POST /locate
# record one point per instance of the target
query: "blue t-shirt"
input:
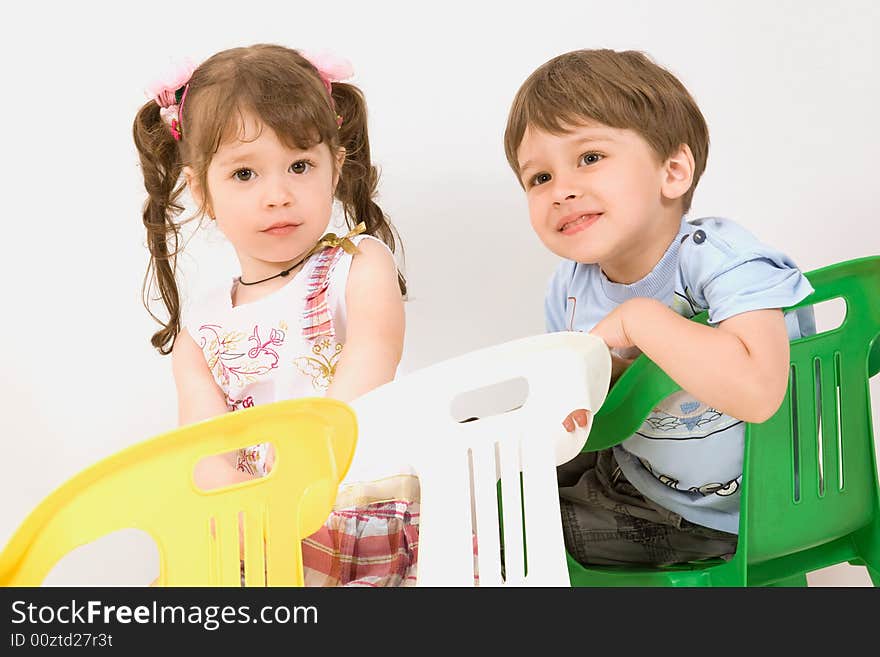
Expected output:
(687, 456)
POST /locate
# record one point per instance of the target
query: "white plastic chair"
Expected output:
(409, 425)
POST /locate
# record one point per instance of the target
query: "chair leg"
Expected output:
(793, 581)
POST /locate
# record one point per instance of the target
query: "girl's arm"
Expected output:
(740, 367)
(198, 395)
(199, 398)
(374, 335)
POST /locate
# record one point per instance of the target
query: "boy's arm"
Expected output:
(740, 367)
(374, 334)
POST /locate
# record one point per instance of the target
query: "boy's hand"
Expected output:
(612, 327)
(578, 417)
(618, 366)
(620, 359)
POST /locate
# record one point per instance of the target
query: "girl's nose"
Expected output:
(278, 194)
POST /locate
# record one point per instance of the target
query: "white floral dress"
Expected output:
(287, 345)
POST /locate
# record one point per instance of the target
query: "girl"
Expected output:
(265, 139)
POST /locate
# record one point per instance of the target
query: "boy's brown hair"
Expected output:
(620, 89)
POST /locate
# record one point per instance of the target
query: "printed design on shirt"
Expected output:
(274, 339)
(681, 417)
(685, 305)
(721, 489)
(667, 481)
(321, 365)
(253, 459)
(572, 302)
(227, 360)
(238, 404)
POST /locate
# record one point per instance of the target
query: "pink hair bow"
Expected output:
(169, 92)
(331, 68)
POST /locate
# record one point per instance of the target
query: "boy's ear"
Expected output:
(678, 173)
(195, 190)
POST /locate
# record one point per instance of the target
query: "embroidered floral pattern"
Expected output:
(322, 365)
(276, 338)
(238, 404)
(227, 360)
(253, 459)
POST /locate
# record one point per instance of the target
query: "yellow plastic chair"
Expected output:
(150, 487)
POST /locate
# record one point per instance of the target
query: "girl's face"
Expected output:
(272, 202)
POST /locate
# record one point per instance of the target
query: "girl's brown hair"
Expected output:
(283, 89)
(619, 89)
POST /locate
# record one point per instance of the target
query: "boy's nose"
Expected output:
(565, 190)
(563, 196)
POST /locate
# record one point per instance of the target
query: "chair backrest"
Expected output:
(812, 471)
(460, 463)
(150, 487)
(810, 477)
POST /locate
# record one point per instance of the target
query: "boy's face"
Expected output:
(597, 195)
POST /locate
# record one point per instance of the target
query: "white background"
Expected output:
(790, 91)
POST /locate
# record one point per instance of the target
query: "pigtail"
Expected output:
(161, 166)
(360, 177)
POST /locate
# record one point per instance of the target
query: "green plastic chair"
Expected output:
(810, 495)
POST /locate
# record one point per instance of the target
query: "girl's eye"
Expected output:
(243, 175)
(540, 179)
(300, 166)
(591, 158)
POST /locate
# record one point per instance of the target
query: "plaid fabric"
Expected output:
(317, 320)
(370, 539)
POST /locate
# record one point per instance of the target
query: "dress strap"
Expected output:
(317, 319)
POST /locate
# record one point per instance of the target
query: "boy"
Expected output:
(609, 148)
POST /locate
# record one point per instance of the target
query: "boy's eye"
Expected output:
(540, 179)
(243, 174)
(300, 166)
(591, 158)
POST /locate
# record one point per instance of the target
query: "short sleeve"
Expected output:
(727, 270)
(556, 297)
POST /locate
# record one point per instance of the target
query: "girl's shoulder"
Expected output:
(372, 247)
(373, 257)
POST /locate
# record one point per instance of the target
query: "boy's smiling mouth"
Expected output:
(576, 222)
